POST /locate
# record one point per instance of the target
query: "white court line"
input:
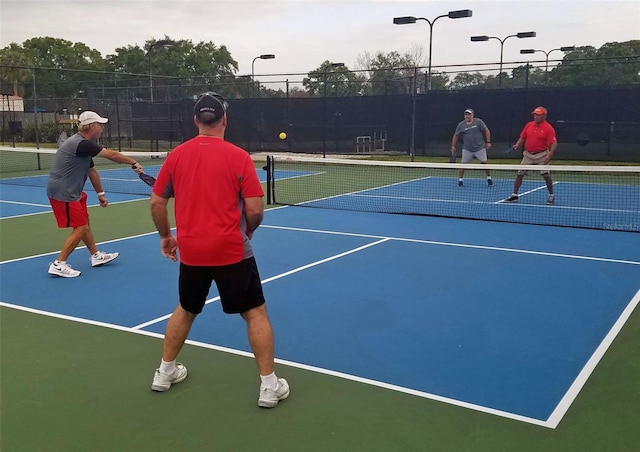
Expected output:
(49, 211)
(273, 278)
(21, 203)
(318, 370)
(553, 420)
(358, 192)
(460, 245)
(587, 370)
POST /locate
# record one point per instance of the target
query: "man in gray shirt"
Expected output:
(476, 139)
(72, 165)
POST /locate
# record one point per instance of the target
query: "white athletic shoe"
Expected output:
(162, 382)
(63, 270)
(101, 258)
(269, 398)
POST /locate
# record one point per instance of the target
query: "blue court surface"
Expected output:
(28, 195)
(503, 318)
(577, 204)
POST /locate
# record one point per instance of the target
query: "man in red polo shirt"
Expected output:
(540, 143)
(218, 206)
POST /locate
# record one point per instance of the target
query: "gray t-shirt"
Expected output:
(70, 168)
(471, 135)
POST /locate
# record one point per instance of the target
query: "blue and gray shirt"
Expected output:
(70, 168)
(471, 135)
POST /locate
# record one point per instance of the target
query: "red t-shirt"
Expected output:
(209, 178)
(538, 137)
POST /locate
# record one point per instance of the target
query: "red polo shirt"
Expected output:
(209, 178)
(538, 137)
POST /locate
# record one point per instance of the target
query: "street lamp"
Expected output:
(459, 14)
(546, 66)
(166, 43)
(267, 56)
(324, 107)
(522, 34)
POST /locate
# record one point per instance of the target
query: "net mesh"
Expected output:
(30, 166)
(596, 197)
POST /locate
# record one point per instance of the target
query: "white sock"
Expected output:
(57, 262)
(460, 179)
(488, 177)
(167, 367)
(269, 381)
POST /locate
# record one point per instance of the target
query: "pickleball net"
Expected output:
(595, 197)
(30, 167)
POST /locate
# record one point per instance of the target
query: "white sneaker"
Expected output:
(63, 270)
(101, 258)
(162, 382)
(269, 398)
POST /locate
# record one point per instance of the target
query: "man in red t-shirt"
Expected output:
(540, 143)
(218, 206)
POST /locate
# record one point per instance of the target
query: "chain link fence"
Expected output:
(361, 112)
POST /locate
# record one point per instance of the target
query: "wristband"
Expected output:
(101, 193)
(134, 164)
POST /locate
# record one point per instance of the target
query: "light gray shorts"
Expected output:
(467, 156)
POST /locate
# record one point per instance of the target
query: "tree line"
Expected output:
(64, 69)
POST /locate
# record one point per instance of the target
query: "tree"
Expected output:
(339, 81)
(64, 68)
(198, 67)
(15, 76)
(61, 68)
(467, 80)
(390, 73)
(615, 63)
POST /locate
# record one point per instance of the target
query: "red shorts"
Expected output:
(71, 214)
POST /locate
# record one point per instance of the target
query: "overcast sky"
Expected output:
(304, 33)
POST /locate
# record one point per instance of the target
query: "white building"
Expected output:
(9, 102)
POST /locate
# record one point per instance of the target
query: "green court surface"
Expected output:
(71, 386)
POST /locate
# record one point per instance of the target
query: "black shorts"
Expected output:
(238, 284)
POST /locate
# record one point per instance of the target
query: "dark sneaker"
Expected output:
(512, 198)
(490, 182)
(550, 200)
(460, 183)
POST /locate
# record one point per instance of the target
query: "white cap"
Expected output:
(89, 117)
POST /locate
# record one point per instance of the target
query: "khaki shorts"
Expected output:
(533, 159)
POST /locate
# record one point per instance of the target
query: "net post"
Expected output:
(268, 171)
(272, 173)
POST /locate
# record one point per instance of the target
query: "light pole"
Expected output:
(522, 34)
(324, 107)
(166, 43)
(459, 14)
(267, 56)
(546, 66)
